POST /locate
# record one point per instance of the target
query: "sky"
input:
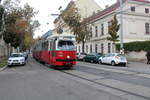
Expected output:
(48, 7)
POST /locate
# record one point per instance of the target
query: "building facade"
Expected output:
(84, 10)
(136, 25)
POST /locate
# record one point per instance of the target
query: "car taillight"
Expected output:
(117, 57)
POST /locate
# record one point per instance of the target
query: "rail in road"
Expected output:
(95, 66)
(128, 88)
(116, 87)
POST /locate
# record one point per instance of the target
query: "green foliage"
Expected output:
(136, 46)
(1, 15)
(19, 22)
(78, 26)
(113, 29)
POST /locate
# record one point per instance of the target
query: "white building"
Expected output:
(136, 25)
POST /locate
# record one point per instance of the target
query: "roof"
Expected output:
(48, 33)
(145, 1)
(111, 9)
(62, 35)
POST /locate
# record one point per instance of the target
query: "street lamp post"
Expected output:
(121, 27)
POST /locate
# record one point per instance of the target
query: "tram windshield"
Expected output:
(66, 45)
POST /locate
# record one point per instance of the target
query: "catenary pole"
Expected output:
(121, 25)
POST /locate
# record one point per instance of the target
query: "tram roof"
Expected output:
(61, 35)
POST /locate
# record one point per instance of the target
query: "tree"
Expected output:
(77, 25)
(19, 24)
(112, 31)
(1, 18)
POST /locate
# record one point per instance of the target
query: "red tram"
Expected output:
(56, 50)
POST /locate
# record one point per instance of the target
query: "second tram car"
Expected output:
(56, 50)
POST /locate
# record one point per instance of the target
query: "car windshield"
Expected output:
(83, 54)
(16, 55)
(120, 55)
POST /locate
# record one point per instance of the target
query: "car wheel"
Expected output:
(91, 61)
(84, 60)
(124, 65)
(113, 63)
(100, 62)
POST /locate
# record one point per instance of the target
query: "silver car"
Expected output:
(113, 59)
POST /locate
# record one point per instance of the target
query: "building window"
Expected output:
(79, 48)
(95, 48)
(91, 31)
(102, 48)
(86, 48)
(102, 29)
(96, 33)
(133, 9)
(109, 25)
(109, 47)
(147, 28)
(146, 10)
(91, 48)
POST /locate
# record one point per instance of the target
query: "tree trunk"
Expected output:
(83, 43)
(8, 54)
(113, 47)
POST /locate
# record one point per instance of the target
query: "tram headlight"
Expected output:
(68, 57)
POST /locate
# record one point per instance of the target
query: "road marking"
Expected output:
(143, 75)
(132, 88)
(112, 70)
(84, 75)
(125, 87)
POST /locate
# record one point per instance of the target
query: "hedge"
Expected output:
(135, 46)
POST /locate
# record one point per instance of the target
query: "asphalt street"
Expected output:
(86, 81)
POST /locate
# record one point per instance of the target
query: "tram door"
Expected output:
(52, 52)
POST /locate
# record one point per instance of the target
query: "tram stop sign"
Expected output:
(59, 31)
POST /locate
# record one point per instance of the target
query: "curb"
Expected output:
(1, 69)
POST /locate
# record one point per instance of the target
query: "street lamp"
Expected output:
(121, 27)
(59, 29)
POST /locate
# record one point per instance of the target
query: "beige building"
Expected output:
(136, 25)
(84, 10)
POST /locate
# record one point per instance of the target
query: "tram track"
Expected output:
(97, 83)
(69, 72)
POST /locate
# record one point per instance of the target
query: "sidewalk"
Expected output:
(139, 66)
(3, 64)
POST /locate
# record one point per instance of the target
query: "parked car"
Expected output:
(16, 59)
(113, 59)
(25, 54)
(80, 56)
(93, 57)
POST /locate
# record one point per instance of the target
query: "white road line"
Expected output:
(118, 71)
(84, 75)
(132, 88)
(112, 70)
(128, 87)
(143, 75)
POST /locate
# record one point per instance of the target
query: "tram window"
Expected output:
(63, 43)
(45, 45)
